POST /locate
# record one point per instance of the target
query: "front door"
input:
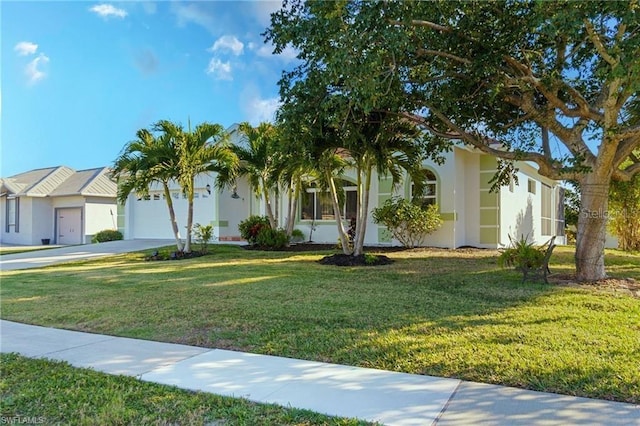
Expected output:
(69, 223)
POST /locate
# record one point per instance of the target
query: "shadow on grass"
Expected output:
(438, 312)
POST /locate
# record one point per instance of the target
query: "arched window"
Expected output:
(316, 204)
(429, 193)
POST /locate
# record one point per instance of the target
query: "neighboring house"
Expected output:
(473, 216)
(58, 204)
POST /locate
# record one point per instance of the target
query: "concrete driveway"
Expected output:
(39, 258)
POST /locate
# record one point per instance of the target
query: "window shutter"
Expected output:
(17, 221)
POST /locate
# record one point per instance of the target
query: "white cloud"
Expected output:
(220, 70)
(34, 70)
(228, 43)
(25, 48)
(257, 109)
(107, 10)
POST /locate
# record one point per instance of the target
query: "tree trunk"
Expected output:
(293, 195)
(172, 216)
(363, 208)
(344, 238)
(267, 205)
(592, 227)
(187, 244)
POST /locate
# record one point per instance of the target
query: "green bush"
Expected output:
(107, 235)
(297, 236)
(250, 228)
(522, 255)
(203, 234)
(407, 222)
(272, 238)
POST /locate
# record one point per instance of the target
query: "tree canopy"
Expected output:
(552, 83)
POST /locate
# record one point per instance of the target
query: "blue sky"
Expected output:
(79, 78)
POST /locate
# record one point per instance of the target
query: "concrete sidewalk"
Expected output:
(375, 395)
(50, 256)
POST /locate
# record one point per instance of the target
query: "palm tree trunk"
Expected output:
(344, 238)
(292, 205)
(363, 208)
(187, 245)
(172, 216)
(267, 205)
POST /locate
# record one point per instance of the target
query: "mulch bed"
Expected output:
(342, 259)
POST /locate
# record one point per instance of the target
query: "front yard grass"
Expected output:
(67, 395)
(435, 312)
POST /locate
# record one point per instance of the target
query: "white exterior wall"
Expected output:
(99, 214)
(150, 218)
(470, 214)
(42, 220)
(521, 210)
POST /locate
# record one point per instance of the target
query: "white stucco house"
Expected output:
(473, 216)
(58, 204)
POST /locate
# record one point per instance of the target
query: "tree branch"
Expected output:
(421, 52)
(600, 48)
(428, 24)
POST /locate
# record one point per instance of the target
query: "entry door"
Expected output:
(69, 226)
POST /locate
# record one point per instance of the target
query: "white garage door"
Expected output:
(69, 225)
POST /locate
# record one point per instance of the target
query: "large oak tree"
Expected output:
(555, 83)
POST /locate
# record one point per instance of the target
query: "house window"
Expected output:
(156, 197)
(175, 195)
(429, 193)
(531, 186)
(316, 204)
(196, 195)
(12, 215)
(560, 212)
(546, 221)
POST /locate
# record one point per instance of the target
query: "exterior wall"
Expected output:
(521, 212)
(99, 214)
(150, 218)
(24, 235)
(42, 221)
(231, 211)
(470, 189)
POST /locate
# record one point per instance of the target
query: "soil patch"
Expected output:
(627, 286)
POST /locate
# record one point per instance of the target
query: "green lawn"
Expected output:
(435, 312)
(73, 396)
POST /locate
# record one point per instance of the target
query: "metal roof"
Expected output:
(60, 181)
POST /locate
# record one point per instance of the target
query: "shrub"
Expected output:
(272, 238)
(203, 234)
(297, 236)
(107, 235)
(407, 222)
(522, 255)
(250, 228)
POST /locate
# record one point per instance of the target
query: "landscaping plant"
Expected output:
(407, 222)
(107, 235)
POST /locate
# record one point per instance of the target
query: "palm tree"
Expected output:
(144, 161)
(205, 149)
(260, 162)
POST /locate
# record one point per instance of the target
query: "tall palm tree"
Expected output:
(260, 162)
(144, 161)
(202, 150)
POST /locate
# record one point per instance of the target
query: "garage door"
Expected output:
(69, 225)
